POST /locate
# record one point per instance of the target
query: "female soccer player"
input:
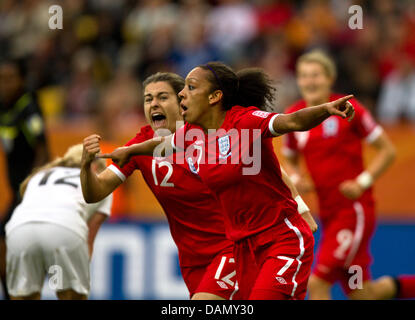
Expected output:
(346, 201)
(52, 231)
(195, 218)
(273, 245)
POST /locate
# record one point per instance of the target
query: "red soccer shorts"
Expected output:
(216, 278)
(344, 246)
(276, 263)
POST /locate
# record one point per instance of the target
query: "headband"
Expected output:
(217, 79)
(214, 73)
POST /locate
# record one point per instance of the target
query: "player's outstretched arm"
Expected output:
(308, 118)
(156, 147)
(95, 187)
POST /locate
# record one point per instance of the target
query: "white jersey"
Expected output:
(54, 195)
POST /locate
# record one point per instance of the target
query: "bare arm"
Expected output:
(302, 207)
(156, 147)
(293, 166)
(289, 183)
(95, 187)
(300, 181)
(385, 154)
(94, 224)
(308, 118)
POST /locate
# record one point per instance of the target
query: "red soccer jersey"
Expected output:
(333, 152)
(252, 193)
(194, 215)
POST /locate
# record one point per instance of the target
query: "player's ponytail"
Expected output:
(255, 89)
(247, 87)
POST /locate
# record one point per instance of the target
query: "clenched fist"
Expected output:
(91, 149)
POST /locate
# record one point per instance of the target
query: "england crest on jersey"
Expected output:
(224, 147)
(192, 166)
(330, 127)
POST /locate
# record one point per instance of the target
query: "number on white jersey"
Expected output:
(62, 180)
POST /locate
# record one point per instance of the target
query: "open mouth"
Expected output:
(159, 120)
(184, 108)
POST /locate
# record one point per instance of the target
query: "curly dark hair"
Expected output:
(247, 87)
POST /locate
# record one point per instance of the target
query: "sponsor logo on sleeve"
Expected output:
(261, 114)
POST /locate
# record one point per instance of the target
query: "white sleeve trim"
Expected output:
(271, 127)
(301, 205)
(372, 136)
(117, 172)
(172, 141)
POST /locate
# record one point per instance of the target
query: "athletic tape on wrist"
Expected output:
(301, 206)
(365, 180)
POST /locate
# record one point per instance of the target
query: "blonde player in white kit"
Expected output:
(53, 231)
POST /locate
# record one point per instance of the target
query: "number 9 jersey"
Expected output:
(54, 195)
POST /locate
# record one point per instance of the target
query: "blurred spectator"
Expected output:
(273, 15)
(190, 46)
(82, 91)
(230, 26)
(101, 36)
(24, 25)
(119, 102)
(397, 96)
(276, 60)
(149, 16)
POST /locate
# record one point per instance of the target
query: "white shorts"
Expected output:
(35, 249)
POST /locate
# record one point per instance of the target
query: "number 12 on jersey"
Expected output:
(165, 182)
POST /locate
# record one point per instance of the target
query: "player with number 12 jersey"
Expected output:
(194, 215)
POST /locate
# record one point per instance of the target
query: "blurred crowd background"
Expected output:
(88, 75)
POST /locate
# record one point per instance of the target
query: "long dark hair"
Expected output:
(247, 87)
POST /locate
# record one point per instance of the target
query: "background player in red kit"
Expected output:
(195, 218)
(333, 155)
(273, 245)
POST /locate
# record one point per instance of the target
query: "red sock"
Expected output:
(406, 287)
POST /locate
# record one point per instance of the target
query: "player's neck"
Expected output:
(213, 119)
